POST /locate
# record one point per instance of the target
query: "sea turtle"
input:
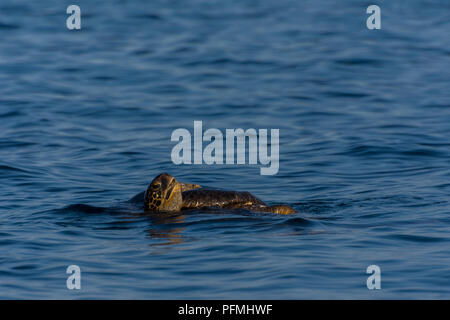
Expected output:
(166, 194)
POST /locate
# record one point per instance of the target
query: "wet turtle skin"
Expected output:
(218, 198)
(166, 194)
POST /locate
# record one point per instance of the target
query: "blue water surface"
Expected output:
(86, 119)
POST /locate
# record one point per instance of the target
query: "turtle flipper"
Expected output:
(281, 209)
(278, 209)
(188, 186)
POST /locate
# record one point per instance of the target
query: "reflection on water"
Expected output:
(162, 227)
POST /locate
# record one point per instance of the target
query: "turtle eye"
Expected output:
(155, 186)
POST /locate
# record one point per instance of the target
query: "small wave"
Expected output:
(345, 94)
(228, 61)
(367, 150)
(84, 208)
(8, 26)
(148, 16)
(298, 221)
(423, 153)
(13, 144)
(416, 238)
(9, 114)
(359, 62)
(8, 168)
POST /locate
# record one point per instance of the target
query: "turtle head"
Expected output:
(164, 193)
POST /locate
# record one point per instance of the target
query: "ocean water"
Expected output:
(86, 119)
